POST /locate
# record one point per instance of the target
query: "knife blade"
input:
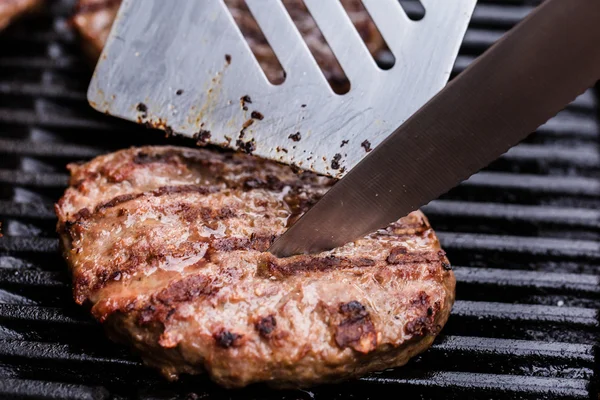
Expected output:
(518, 84)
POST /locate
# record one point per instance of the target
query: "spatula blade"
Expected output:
(185, 67)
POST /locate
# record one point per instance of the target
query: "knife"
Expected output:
(523, 80)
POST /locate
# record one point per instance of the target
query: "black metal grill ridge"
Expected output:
(523, 236)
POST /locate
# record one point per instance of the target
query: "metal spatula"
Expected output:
(185, 67)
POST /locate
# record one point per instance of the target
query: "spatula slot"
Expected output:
(320, 49)
(369, 33)
(257, 41)
(413, 8)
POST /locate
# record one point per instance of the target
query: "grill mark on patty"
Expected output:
(115, 201)
(356, 330)
(163, 305)
(191, 213)
(141, 254)
(400, 255)
(258, 242)
(85, 214)
(149, 255)
(186, 289)
(161, 191)
(283, 267)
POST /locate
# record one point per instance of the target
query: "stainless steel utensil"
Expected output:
(184, 66)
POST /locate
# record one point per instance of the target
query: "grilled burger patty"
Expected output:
(11, 9)
(168, 246)
(93, 20)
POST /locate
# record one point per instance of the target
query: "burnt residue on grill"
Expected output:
(295, 136)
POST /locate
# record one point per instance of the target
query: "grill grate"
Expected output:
(524, 236)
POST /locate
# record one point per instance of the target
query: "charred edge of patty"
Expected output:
(427, 313)
(356, 330)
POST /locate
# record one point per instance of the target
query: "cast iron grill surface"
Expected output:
(523, 236)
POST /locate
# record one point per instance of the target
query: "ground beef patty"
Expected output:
(93, 20)
(169, 247)
(12, 9)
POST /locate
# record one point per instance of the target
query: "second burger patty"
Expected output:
(13, 9)
(169, 247)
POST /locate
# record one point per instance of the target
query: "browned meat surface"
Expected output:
(168, 247)
(93, 20)
(11, 9)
